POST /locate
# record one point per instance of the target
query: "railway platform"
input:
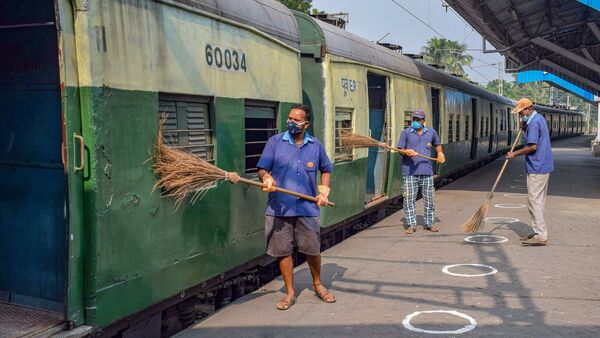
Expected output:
(388, 283)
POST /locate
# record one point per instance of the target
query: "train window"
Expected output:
(450, 128)
(260, 125)
(343, 123)
(467, 119)
(496, 126)
(487, 126)
(407, 118)
(188, 124)
(457, 130)
(481, 126)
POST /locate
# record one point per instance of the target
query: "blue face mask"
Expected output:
(417, 125)
(295, 128)
(524, 118)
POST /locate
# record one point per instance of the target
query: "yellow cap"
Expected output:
(522, 104)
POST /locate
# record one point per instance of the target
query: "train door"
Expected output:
(492, 129)
(36, 196)
(474, 122)
(377, 125)
(435, 112)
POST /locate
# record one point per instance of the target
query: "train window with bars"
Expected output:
(467, 119)
(487, 126)
(457, 130)
(343, 123)
(481, 126)
(407, 118)
(187, 124)
(260, 124)
(450, 128)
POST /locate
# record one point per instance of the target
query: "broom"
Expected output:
(476, 222)
(350, 140)
(182, 174)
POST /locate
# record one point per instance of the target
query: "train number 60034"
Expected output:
(225, 58)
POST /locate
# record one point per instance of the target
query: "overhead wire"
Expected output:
(443, 36)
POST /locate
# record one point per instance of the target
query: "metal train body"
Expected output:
(83, 84)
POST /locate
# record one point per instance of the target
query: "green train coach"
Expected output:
(87, 245)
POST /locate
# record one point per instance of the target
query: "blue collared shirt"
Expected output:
(422, 144)
(294, 168)
(541, 161)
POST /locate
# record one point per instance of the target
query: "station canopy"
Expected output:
(561, 37)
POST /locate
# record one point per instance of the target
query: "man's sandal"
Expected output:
(409, 230)
(323, 294)
(286, 303)
(432, 228)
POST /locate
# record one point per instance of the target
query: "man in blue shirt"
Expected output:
(417, 172)
(291, 160)
(539, 165)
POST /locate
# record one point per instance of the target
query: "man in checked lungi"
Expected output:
(417, 172)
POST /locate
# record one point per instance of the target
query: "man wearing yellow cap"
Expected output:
(539, 165)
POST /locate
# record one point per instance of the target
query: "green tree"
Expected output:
(304, 6)
(448, 53)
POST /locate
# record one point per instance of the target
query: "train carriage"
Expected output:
(102, 73)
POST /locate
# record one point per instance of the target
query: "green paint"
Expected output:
(75, 292)
(140, 250)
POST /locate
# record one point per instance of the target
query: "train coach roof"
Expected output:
(554, 110)
(342, 43)
(268, 16)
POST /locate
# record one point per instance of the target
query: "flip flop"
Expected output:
(286, 303)
(409, 231)
(432, 228)
(323, 294)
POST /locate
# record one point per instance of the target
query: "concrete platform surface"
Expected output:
(380, 276)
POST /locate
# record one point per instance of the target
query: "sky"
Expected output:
(372, 19)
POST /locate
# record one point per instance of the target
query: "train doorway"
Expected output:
(33, 179)
(473, 129)
(377, 126)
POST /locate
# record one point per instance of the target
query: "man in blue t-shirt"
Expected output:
(417, 172)
(291, 160)
(539, 165)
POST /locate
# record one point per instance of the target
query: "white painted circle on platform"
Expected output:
(510, 206)
(472, 239)
(518, 187)
(515, 195)
(447, 268)
(466, 328)
(501, 220)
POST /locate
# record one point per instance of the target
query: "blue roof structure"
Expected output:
(538, 75)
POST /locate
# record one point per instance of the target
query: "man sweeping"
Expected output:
(417, 172)
(539, 165)
(290, 160)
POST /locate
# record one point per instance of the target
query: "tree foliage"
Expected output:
(448, 53)
(304, 6)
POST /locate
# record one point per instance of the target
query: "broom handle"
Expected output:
(285, 191)
(398, 149)
(505, 163)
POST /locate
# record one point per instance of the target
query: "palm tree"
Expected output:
(448, 53)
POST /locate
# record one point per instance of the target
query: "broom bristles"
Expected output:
(350, 140)
(476, 222)
(180, 173)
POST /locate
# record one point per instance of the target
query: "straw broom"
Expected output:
(476, 222)
(182, 174)
(350, 140)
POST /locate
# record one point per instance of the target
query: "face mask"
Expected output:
(295, 128)
(417, 125)
(524, 118)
